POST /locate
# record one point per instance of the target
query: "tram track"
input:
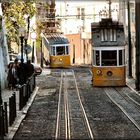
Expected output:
(126, 104)
(72, 121)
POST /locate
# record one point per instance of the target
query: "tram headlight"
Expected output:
(99, 72)
(109, 73)
(60, 59)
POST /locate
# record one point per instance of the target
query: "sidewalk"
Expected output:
(6, 94)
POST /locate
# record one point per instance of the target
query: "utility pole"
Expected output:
(129, 42)
(41, 64)
(137, 83)
(109, 8)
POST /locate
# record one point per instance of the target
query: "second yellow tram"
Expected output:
(56, 50)
(108, 63)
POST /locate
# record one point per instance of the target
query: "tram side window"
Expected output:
(67, 50)
(97, 54)
(53, 50)
(109, 58)
(60, 50)
(121, 57)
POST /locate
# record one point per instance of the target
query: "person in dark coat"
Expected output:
(30, 69)
(12, 76)
(22, 73)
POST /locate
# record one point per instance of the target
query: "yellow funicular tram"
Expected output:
(108, 43)
(56, 50)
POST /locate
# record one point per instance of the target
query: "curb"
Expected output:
(137, 92)
(20, 116)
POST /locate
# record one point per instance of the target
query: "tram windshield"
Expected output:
(60, 50)
(108, 57)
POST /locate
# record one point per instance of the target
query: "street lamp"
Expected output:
(33, 37)
(26, 38)
(22, 71)
(21, 35)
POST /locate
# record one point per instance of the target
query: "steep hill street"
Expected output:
(68, 106)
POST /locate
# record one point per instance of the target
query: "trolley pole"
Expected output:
(137, 83)
(129, 43)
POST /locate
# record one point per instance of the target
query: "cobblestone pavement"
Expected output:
(45, 117)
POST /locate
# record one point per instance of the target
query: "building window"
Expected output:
(82, 13)
(78, 13)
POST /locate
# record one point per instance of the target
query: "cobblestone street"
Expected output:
(106, 120)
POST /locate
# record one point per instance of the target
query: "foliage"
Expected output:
(14, 12)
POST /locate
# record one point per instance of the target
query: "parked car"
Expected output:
(38, 69)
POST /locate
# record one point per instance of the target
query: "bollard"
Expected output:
(14, 105)
(1, 123)
(21, 98)
(5, 117)
(10, 111)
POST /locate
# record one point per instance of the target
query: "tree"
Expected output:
(14, 12)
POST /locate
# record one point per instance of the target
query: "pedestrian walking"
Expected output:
(12, 76)
(30, 69)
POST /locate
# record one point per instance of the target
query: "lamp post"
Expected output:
(22, 76)
(26, 38)
(27, 20)
(21, 35)
(33, 37)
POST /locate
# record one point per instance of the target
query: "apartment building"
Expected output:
(46, 15)
(76, 18)
(129, 31)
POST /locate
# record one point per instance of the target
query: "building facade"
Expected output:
(80, 48)
(129, 25)
(4, 56)
(46, 15)
(76, 18)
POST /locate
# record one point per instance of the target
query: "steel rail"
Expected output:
(66, 104)
(130, 98)
(67, 115)
(83, 110)
(58, 111)
(124, 111)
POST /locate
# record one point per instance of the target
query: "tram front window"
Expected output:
(60, 50)
(109, 58)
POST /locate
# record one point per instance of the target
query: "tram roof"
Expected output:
(56, 39)
(107, 22)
